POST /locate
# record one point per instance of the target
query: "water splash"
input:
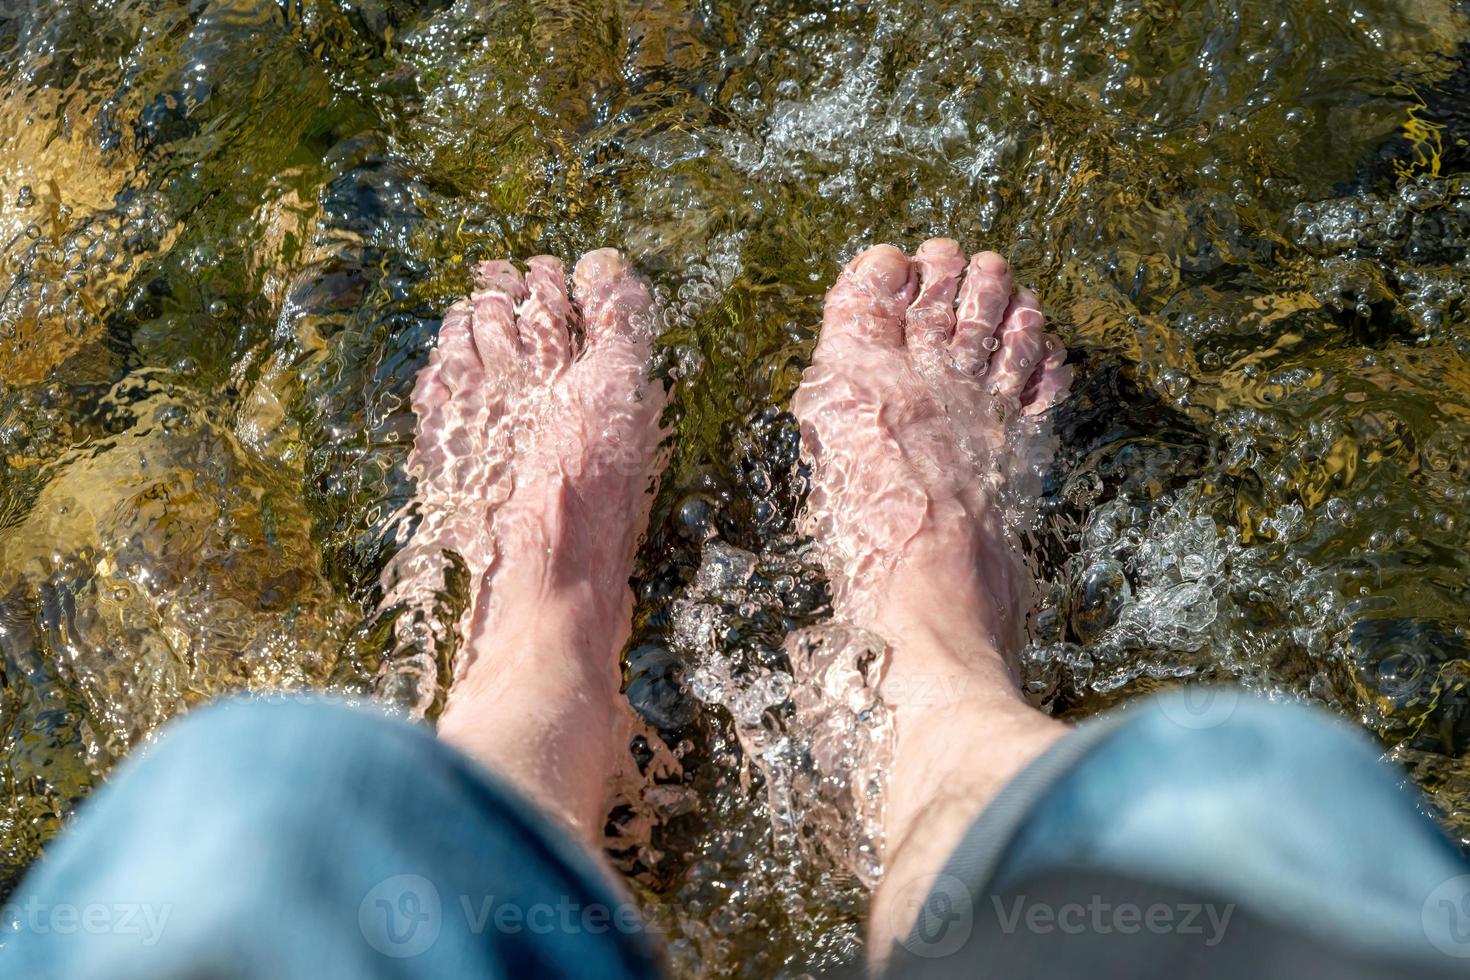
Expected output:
(812, 721)
(1258, 263)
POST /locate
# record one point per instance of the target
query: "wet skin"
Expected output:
(925, 396)
(538, 442)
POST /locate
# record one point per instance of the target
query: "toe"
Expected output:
(455, 361)
(501, 275)
(983, 298)
(429, 389)
(546, 316)
(869, 300)
(930, 320)
(1022, 343)
(613, 299)
(1051, 381)
(498, 288)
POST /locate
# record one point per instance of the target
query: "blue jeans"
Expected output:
(308, 839)
(284, 839)
(1220, 803)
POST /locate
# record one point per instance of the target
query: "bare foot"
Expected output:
(537, 444)
(923, 401)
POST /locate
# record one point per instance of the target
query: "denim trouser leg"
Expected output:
(308, 839)
(1277, 807)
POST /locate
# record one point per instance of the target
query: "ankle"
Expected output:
(947, 768)
(569, 636)
(961, 603)
(945, 652)
(962, 728)
(536, 702)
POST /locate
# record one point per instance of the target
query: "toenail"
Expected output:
(938, 248)
(549, 263)
(886, 265)
(600, 265)
(970, 367)
(989, 264)
(498, 274)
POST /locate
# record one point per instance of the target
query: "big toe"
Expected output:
(601, 265)
(501, 275)
(614, 300)
(870, 299)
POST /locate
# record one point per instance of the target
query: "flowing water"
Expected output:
(227, 227)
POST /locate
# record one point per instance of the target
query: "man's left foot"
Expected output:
(536, 448)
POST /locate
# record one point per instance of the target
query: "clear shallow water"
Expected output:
(227, 229)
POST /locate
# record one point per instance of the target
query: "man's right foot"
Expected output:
(924, 397)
